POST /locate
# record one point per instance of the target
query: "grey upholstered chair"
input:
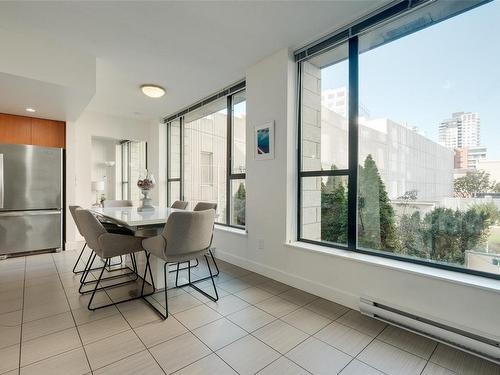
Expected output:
(105, 245)
(186, 235)
(202, 206)
(72, 210)
(117, 203)
(110, 227)
(180, 205)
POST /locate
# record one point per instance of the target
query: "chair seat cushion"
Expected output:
(184, 257)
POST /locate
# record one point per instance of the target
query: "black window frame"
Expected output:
(229, 93)
(350, 35)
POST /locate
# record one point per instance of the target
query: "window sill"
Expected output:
(397, 265)
(225, 228)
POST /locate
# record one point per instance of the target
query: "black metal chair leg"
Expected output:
(184, 268)
(192, 285)
(78, 260)
(212, 276)
(87, 269)
(134, 272)
(96, 286)
(176, 275)
(165, 274)
(215, 263)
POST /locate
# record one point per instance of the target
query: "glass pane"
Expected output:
(324, 209)
(124, 170)
(174, 192)
(238, 202)
(239, 133)
(324, 104)
(205, 160)
(429, 145)
(174, 168)
(137, 167)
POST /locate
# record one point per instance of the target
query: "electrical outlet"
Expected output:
(261, 244)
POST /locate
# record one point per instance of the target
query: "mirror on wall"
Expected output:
(117, 164)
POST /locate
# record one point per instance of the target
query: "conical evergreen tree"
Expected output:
(240, 205)
(334, 210)
(377, 227)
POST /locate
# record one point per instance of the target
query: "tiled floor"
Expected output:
(258, 326)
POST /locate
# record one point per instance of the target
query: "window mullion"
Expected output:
(181, 158)
(229, 147)
(353, 102)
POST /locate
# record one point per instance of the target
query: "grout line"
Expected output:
(232, 278)
(429, 360)
(74, 320)
(22, 321)
(135, 333)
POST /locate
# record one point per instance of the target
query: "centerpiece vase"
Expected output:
(146, 185)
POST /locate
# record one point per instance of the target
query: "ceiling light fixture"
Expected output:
(30, 110)
(153, 91)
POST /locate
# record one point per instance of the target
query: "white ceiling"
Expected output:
(190, 48)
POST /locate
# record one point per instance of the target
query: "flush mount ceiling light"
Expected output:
(30, 110)
(153, 91)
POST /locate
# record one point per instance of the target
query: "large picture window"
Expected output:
(399, 150)
(206, 157)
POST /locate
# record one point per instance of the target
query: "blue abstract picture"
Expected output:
(263, 141)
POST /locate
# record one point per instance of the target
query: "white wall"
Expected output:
(339, 276)
(79, 157)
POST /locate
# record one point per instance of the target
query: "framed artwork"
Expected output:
(264, 141)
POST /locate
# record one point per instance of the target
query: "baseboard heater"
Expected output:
(466, 341)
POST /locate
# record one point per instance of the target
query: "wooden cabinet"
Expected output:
(15, 129)
(48, 133)
(32, 131)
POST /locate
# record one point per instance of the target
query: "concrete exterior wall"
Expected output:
(205, 163)
(311, 151)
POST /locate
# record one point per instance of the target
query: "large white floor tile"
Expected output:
(248, 355)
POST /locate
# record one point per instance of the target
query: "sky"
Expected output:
(421, 79)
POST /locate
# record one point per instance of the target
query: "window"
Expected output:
(407, 165)
(206, 157)
(133, 165)
(324, 148)
(207, 164)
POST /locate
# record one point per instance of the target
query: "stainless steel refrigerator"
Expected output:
(31, 198)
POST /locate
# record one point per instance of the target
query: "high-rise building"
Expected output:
(461, 130)
(462, 133)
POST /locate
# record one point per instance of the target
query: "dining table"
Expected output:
(151, 222)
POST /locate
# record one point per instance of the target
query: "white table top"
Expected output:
(129, 216)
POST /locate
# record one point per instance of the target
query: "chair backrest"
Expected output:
(188, 231)
(90, 228)
(117, 203)
(180, 205)
(72, 211)
(203, 206)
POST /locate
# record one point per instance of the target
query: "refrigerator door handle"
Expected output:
(1, 181)
(30, 213)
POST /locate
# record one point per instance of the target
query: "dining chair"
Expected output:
(186, 236)
(107, 245)
(180, 205)
(117, 203)
(202, 206)
(110, 227)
